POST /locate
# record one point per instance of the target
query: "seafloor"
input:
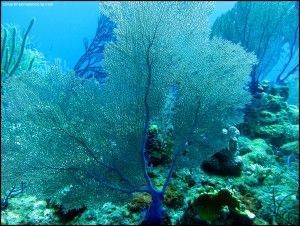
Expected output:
(263, 190)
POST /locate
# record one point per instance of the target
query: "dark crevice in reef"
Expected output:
(66, 216)
(69, 215)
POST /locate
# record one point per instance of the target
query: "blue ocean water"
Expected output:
(60, 27)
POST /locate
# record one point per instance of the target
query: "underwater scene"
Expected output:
(150, 113)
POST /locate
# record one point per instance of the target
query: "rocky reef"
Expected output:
(226, 162)
(270, 117)
(26, 209)
(159, 147)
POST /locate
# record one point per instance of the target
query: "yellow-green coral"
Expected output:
(210, 204)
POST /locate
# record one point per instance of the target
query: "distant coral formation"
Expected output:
(89, 64)
(271, 30)
(269, 116)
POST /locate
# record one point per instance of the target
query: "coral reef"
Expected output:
(270, 117)
(158, 147)
(26, 209)
(139, 203)
(215, 207)
(266, 191)
(14, 191)
(94, 139)
(290, 148)
(244, 200)
(225, 162)
(247, 145)
(109, 153)
(174, 197)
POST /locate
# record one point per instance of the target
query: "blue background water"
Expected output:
(59, 29)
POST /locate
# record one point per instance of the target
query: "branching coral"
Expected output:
(90, 63)
(15, 56)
